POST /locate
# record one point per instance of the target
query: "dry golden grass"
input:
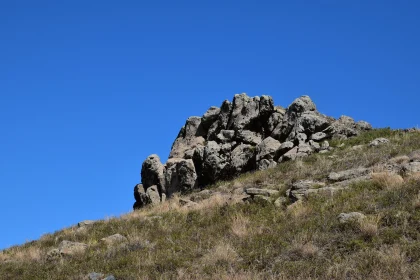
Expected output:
(222, 253)
(388, 180)
(416, 202)
(27, 254)
(240, 225)
(399, 159)
(299, 209)
(369, 226)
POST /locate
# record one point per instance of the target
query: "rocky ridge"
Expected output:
(249, 133)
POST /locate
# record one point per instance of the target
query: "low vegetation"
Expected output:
(219, 239)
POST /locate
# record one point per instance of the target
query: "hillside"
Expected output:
(350, 213)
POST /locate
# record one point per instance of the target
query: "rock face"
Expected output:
(249, 133)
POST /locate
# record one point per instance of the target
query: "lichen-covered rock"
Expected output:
(249, 137)
(266, 164)
(345, 218)
(180, 176)
(152, 173)
(267, 149)
(243, 158)
(348, 174)
(378, 141)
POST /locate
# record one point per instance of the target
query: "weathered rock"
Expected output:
(342, 128)
(243, 158)
(182, 146)
(345, 218)
(69, 248)
(362, 125)
(290, 155)
(153, 195)
(225, 136)
(411, 167)
(378, 141)
(319, 136)
(180, 176)
(299, 188)
(142, 199)
(267, 149)
(293, 112)
(414, 155)
(94, 276)
(262, 192)
(85, 223)
(152, 173)
(245, 112)
(249, 137)
(222, 120)
(274, 120)
(114, 239)
(266, 164)
(216, 165)
(210, 117)
(314, 145)
(285, 147)
(325, 145)
(348, 174)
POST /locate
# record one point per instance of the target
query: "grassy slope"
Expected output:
(219, 240)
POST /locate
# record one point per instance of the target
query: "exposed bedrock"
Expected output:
(249, 133)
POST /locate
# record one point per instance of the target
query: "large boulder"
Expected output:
(152, 173)
(243, 158)
(180, 176)
(216, 163)
(245, 112)
(267, 149)
(192, 134)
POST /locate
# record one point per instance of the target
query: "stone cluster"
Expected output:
(249, 133)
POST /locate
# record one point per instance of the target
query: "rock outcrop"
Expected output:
(249, 133)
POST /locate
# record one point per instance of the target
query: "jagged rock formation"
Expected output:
(243, 135)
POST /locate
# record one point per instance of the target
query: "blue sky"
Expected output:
(88, 89)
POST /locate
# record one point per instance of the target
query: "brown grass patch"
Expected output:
(222, 253)
(240, 225)
(369, 226)
(388, 180)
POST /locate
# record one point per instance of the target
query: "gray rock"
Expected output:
(290, 155)
(182, 146)
(142, 199)
(319, 136)
(222, 121)
(245, 112)
(411, 167)
(299, 188)
(305, 148)
(180, 176)
(114, 239)
(110, 277)
(153, 195)
(267, 149)
(249, 137)
(216, 164)
(301, 137)
(345, 218)
(378, 141)
(85, 223)
(225, 136)
(262, 192)
(273, 121)
(266, 164)
(285, 147)
(314, 145)
(342, 128)
(362, 125)
(325, 145)
(293, 112)
(243, 158)
(348, 174)
(94, 276)
(69, 248)
(152, 173)
(358, 147)
(210, 117)
(414, 155)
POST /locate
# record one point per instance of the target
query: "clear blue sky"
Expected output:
(88, 89)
